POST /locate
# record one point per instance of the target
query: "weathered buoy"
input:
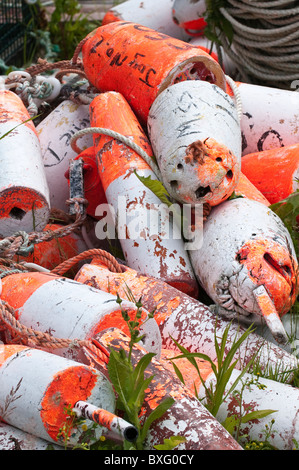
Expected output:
(275, 172)
(195, 133)
(151, 13)
(70, 310)
(140, 63)
(24, 192)
(37, 387)
(270, 117)
(186, 417)
(247, 264)
(55, 132)
(188, 321)
(151, 242)
(189, 15)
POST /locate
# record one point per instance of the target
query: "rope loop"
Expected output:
(116, 135)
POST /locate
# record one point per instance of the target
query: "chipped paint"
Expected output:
(187, 320)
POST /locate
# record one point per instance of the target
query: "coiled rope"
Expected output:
(265, 45)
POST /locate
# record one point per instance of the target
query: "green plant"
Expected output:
(68, 26)
(217, 24)
(244, 414)
(222, 368)
(129, 381)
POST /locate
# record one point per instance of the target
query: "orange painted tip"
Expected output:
(246, 189)
(111, 110)
(274, 172)
(93, 188)
(271, 265)
(270, 314)
(109, 17)
(140, 63)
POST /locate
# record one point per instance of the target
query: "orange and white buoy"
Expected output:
(36, 388)
(247, 264)
(55, 133)
(140, 63)
(189, 15)
(275, 172)
(93, 189)
(151, 242)
(195, 133)
(70, 310)
(188, 321)
(151, 13)
(186, 417)
(270, 117)
(24, 192)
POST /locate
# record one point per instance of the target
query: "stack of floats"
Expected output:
(164, 112)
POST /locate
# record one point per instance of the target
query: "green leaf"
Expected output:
(156, 414)
(258, 414)
(119, 374)
(21, 123)
(178, 372)
(170, 443)
(230, 423)
(156, 187)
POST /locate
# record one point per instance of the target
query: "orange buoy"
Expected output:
(274, 172)
(151, 242)
(246, 188)
(50, 254)
(24, 192)
(139, 63)
(42, 386)
(93, 188)
(188, 321)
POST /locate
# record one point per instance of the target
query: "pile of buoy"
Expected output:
(152, 174)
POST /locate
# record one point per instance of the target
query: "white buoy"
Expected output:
(55, 133)
(270, 117)
(195, 133)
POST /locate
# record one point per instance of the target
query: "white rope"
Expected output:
(115, 135)
(237, 96)
(266, 40)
